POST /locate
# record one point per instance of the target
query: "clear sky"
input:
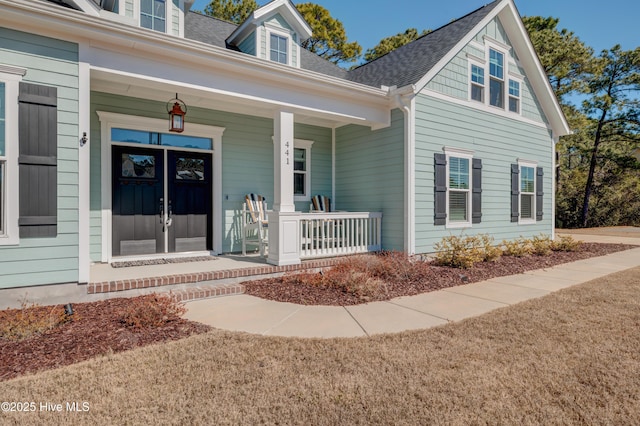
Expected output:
(600, 24)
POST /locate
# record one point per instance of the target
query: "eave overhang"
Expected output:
(96, 34)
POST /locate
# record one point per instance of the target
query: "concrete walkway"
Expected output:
(254, 315)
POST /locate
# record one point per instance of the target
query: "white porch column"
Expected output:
(284, 245)
(283, 162)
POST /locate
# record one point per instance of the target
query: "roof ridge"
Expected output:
(201, 13)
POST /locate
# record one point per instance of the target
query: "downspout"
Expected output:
(333, 166)
(556, 140)
(408, 107)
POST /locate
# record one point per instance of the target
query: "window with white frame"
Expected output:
(458, 188)
(9, 81)
(527, 192)
(496, 78)
(279, 48)
(153, 15)
(514, 96)
(477, 83)
(302, 170)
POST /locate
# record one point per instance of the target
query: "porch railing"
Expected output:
(339, 233)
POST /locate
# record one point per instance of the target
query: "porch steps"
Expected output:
(192, 286)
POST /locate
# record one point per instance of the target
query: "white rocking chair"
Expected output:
(254, 223)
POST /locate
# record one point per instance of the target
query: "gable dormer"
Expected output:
(165, 16)
(273, 32)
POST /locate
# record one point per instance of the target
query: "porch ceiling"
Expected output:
(149, 88)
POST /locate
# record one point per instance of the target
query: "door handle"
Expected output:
(169, 220)
(161, 210)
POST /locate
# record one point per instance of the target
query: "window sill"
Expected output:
(6, 240)
(527, 222)
(458, 225)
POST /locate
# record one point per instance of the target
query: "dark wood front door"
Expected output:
(189, 180)
(138, 188)
(154, 212)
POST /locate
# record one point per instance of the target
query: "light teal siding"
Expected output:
(498, 142)
(453, 79)
(128, 8)
(320, 161)
(248, 45)
(263, 42)
(247, 159)
(294, 50)
(370, 177)
(175, 17)
(38, 261)
(278, 21)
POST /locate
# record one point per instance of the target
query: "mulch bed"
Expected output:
(441, 277)
(96, 328)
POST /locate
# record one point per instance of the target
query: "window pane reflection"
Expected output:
(138, 166)
(165, 139)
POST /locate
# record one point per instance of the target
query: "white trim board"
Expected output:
(108, 120)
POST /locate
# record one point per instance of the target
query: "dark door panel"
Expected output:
(189, 180)
(137, 188)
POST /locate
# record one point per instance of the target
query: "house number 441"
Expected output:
(286, 152)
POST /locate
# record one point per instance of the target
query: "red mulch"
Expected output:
(439, 277)
(97, 329)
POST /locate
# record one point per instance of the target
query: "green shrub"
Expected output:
(517, 248)
(152, 310)
(541, 245)
(30, 319)
(565, 243)
(464, 252)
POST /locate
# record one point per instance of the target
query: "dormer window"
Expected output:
(278, 49)
(273, 32)
(153, 15)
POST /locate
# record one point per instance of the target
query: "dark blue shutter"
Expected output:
(539, 192)
(476, 192)
(515, 192)
(37, 160)
(440, 190)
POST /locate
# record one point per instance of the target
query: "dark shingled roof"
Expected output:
(215, 31)
(207, 29)
(403, 66)
(409, 63)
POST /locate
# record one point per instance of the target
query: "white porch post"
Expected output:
(283, 224)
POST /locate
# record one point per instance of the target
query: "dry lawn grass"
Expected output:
(569, 358)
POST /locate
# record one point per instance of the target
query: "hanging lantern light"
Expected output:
(177, 109)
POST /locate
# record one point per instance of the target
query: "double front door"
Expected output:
(162, 201)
